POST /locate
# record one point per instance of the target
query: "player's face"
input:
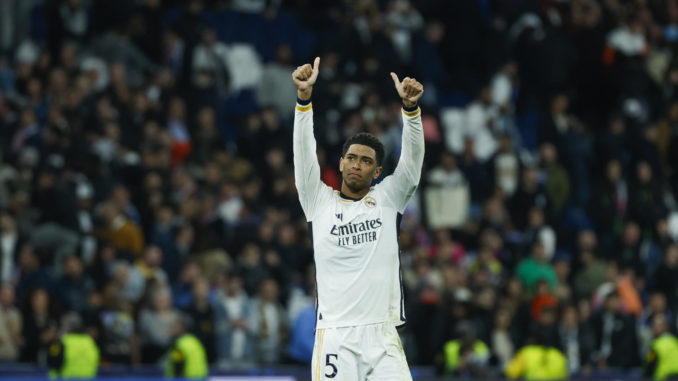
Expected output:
(359, 167)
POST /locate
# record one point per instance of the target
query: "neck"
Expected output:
(346, 191)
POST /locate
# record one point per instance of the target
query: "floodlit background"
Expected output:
(146, 173)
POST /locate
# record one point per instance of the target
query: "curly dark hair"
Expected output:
(365, 139)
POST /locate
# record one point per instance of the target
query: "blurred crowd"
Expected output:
(146, 171)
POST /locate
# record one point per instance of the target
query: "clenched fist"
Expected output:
(410, 90)
(304, 78)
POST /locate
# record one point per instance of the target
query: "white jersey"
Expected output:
(355, 242)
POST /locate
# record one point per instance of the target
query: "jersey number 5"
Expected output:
(329, 363)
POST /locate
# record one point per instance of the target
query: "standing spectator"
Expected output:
(645, 198)
(267, 322)
(591, 274)
(447, 195)
(275, 87)
(506, 167)
(234, 343)
(666, 276)
(155, 325)
(39, 326)
(302, 335)
(74, 285)
(535, 268)
(202, 315)
(123, 233)
(530, 193)
(129, 281)
(119, 341)
(58, 220)
(10, 243)
(10, 325)
(502, 343)
(557, 180)
(617, 344)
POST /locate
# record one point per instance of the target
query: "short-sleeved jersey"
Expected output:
(355, 242)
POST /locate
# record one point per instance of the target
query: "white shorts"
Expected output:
(361, 353)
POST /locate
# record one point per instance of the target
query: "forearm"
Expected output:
(306, 168)
(413, 147)
(304, 95)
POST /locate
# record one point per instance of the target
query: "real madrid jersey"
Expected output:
(355, 242)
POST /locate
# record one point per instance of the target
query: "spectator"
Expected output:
(536, 268)
(267, 323)
(447, 195)
(592, 272)
(666, 277)
(119, 341)
(150, 266)
(74, 285)
(616, 345)
(11, 339)
(129, 280)
(11, 243)
(302, 338)
(120, 231)
(502, 343)
(557, 180)
(506, 166)
(234, 343)
(202, 315)
(572, 339)
(155, 325)
(275, 89)
(39, 326)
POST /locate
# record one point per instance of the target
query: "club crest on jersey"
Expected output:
(370, 202)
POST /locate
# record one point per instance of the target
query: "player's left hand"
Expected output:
(410, 90)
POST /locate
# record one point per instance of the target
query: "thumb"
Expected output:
(316, 63)
(314, 74)
(396, 81)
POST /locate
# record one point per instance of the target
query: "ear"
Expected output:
(341, 164)
(377, 172)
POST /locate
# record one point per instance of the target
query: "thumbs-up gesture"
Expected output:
(410, 90)
(304, 78)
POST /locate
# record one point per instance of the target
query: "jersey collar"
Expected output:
(349, 198)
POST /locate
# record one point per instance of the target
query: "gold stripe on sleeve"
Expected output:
(304, 108)
(409, 113)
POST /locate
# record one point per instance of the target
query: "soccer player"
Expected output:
(355, 241)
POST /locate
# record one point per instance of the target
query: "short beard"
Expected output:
(357, 187)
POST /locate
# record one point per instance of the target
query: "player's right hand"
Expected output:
(304, 76)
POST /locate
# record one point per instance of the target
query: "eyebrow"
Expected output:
(360, 156)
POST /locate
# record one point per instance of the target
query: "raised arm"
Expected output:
(402, 184)
(306, 169)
